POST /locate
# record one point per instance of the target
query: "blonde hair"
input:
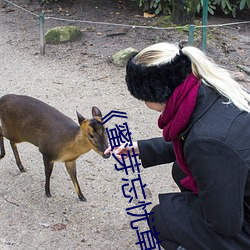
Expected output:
(202, 67)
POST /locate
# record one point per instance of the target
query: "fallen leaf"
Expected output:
(58, 227)
(147, 15)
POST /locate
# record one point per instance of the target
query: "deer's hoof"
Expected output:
(48, 195)
(82, 198)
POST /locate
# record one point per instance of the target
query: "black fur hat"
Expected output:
(156, 83)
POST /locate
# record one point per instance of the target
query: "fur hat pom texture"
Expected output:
(156, 83)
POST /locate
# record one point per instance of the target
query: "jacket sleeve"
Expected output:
(155, 151)
(220, 173)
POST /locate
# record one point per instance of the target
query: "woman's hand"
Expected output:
(118, 151)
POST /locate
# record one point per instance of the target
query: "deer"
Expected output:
(58, 138)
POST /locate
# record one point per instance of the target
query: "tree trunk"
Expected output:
(183, 11)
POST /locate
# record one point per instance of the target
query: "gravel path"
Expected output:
(70, 79)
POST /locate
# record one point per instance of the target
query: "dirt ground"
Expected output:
(77, 76)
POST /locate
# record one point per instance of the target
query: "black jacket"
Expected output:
(216, 145)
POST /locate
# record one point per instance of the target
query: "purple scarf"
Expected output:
(175, 118)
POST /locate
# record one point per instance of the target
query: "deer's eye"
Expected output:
(91, 136)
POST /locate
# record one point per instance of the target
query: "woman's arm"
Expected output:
(152, 152)
(155, 151)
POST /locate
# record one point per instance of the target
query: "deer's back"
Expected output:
(24, 118)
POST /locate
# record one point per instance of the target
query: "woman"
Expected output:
(205, 118)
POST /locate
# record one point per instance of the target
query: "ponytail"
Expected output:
(218, 78)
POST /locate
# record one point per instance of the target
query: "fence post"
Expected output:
(191, 35)
(42, 31)
(204, 24)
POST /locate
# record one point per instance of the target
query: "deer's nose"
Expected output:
(106, 156)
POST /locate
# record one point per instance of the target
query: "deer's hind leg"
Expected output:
(1, 144)
(16, 154)
(71, 168)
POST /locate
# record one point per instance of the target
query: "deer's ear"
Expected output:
(80, 118)
(96, 112)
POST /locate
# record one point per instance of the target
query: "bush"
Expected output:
(156, 6)
(227, 6)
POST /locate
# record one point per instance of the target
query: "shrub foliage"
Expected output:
(227, 6)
